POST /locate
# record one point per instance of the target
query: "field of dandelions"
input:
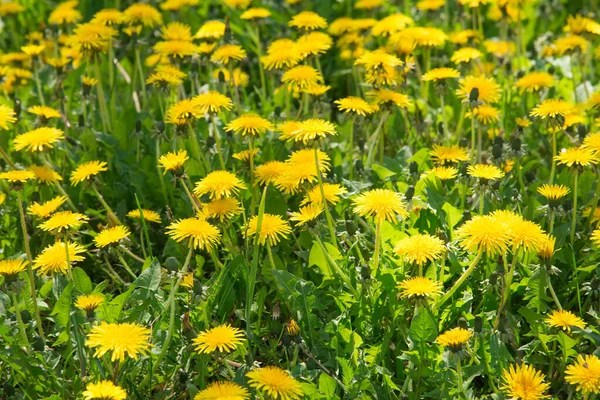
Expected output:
(296, 199)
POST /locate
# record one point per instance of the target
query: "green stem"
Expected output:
(574, 214)
(112, 217)
(132, 255)
(351, 149)
(251, 166)
(324, 201)
(473, 144)
(36, 310)
(217, 141)
(22, 330)
(140, 70)
(161, 178)
(7, 158)
(271, 259)
(38, 83)
(460, 280)
(125, 265)
(507, 284)
(335, 266)
(553, 164)
(101, 98)
(594, 202)
(375, 260)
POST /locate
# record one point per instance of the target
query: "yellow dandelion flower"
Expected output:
(163, 80)
(292, 328)
(438, 74)
(272, 229)
(223, 209)
(483, 233)
(443, 173)
(17, 176)
(379, 60)
(241, 4)
(312, 129)
(223, 338)
(269, 172)
(183, 112)
(534, 82)
(89, 81)
(578, 157)
(105, 390)
(44, 112)
(11, 267)
(596, 237)
(465, 55)
(499, 48)
(249, 124)
(368, 4)
(301, 77)
(7, 116)
(240, 78)
(454, 338)
(389, 97)
(111, 236)
(381, 204)
(553, 192)
(391, 24)
(524, 234)
(313, 44)
(47, 208)
(65, 13)
(212, 102)
(276, 383)
(546, 249)
(85, 171)
(91, 37)
(485, 172)
(282, 53)
(109, 16)
(255, 13)
(489, 90)
(228, 52)
(10, 8)
(308, 20)
(64, 220)
(149, 215)
(176, 48)
(552, 108)
(219, 184)
(485, 114)
(430, 5)
(424, 36)
(38, 139)
(418, 249)
(211, 30)
(45, 174)
(197, 232)
(570, 44)
(188, 281)
(89, 302)
(177, 31)
(53, 259)
(585, 374)
(121, 340)
(564, 320)
(355, 105)
(523, 382)
(144, 14)
(245, 155)
(307, 213)
(173, 161)
(419, 287)
(332, 192)
(223, 391)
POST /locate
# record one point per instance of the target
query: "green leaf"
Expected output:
(453, 214)
(327, 385)
(62, 308)
(150, 278)
(423, 328)
(419, 157)
(82, 282)
(566, 345)
(111, 311)
(317, 257)
(382, 171)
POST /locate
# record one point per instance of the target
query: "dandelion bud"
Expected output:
(529, 176)
(350, 228)
(474, 95)
(478, 325)
(26, 316)
(515, 144)
(292, 328)
(38, 344)
(466, 216)
(463, 169)
(413, 167)
(160, 126)
(496, 185)
(210, 142)
(582, 131)
(440, 127)
(197, 288)
(172, 264)
(365, 272)
(138, 125)
(410, 192)
(221, 77)
(463, 142)
(551, 70)
(497, 151)
(277, 112)
(17, 108)
(567, 204)
(81, 121)
(498, 140)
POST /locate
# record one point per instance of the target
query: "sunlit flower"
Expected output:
(596, 237)
(222, 209)
(53, 259)
(183, 112)
(312, 129)
(240, 78)
(228, 52)
(86, 171)
(585, 374)
(443, 173)
(163, 80)
(499, 48)
(419, 287)
(255, 13)
(483, 233)
(47, 208)
(142, 13)
(176, 48)
(381, 204)
(44, 112)
(268, 172)
(7, 116)
(219, 184)
(331, 191)
(111, 236)
(38, 139)
(301, 77)
(553, 192)
(121, 340)
(104, 390)
(564, 320)
(524, 234)
(11, 267)
(65, 13)
(570, 44)
(424, 36)
(109, 16)
(308, 20)
(577, 156)
(454, 338)
(418, 249)
(223, 391)
(390, 97)
(224, 338)
(212, 102)
(489, 90)
(211, 30)
(10, 8)
(448, 154)
(465, 55)
(485, 172)
(523, 382)
(89, 302)
(249, 124)
(306, 214)
(391, 24)
(552, 108)
(281, 53)
(64, 220)
(534, 81)
(196, 232)
(173, 161)
(245, 155)
(17, 176)
(355, 105)
(272, 229)
(149, 215)
(45, 174)
(276, 383)
(485, 114)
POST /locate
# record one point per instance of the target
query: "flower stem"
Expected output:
(217, 141)
(594, 202)
(125, 265)
(553, 165)
(324, 201)
(20, 321)
(375, 259)
(574, 215)
(36, 310)
(460, 280)
(101, 98)
(112, 217)
(507, 284)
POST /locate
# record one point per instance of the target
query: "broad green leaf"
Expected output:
(83, 283)
(453, 214)
(150, 278)
(423, 328)
(382, 171)
(62, 308)
(327, 385)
